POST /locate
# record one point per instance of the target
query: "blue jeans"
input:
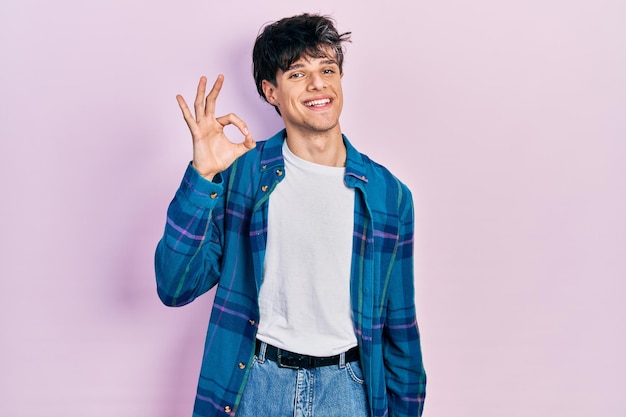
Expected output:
(325, 391)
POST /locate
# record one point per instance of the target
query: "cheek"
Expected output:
(338, 88)
(339, 93)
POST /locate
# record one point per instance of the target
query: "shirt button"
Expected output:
(252, 322)
(227, 408)
(242, 365)
(279, 172)
(213, 195)
(264, 188)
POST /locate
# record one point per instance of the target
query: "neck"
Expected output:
(324, 148)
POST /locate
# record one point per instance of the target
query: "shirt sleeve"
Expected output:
(187, 258)
(404, 370)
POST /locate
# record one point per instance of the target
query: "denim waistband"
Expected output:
(287, 359)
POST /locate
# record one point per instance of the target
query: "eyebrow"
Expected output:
(328, 61)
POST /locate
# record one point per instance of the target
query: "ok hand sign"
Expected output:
(213, 152)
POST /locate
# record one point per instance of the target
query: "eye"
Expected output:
(296, 75)
(328, 71)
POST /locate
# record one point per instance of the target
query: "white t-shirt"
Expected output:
(305, 296)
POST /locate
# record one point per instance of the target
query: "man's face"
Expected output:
(308, 95)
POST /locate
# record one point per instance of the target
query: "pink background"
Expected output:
(506, 118)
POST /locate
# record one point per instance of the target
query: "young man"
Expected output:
(309, 242)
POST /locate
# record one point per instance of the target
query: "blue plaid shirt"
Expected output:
(216, 234)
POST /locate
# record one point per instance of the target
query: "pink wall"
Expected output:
(507, 119)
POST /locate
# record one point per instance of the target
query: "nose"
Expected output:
(316, 81)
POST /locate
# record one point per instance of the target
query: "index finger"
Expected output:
(211, 98)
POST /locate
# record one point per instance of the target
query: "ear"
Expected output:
(269, 90)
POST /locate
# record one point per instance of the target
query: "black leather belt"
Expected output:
(286, 359)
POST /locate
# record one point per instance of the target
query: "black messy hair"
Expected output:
(282, 43)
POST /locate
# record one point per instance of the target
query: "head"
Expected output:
(284, 42)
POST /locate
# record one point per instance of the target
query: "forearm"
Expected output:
(405, 375)
(406, 378)
(187, 256)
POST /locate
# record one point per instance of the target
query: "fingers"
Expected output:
(204, 125)
(199, 102)
(233, 119)
(249, 143)
(189, 119)
(212, 97)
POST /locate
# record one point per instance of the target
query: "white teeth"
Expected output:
(317, 102)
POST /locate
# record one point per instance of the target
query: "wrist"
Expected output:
(206, 175)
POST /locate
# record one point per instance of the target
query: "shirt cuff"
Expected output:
(198, 190)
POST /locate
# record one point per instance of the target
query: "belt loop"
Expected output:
(342, 360)
(261, 355)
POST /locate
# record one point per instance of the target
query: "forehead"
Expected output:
(322, 57)
(310, 52)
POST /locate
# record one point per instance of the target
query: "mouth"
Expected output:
(318, 102)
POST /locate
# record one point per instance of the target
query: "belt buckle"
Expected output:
(291, 362)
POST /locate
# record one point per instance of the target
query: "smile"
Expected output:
(315, 103)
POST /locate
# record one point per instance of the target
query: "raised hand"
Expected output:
(213, 152)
